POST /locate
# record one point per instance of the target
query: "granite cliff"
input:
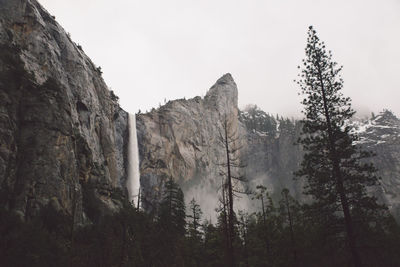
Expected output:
(180, 141)
(381, 135)
(62, 132)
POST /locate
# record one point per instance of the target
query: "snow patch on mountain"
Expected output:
(377, 130)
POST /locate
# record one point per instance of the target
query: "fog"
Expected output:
(155, 50)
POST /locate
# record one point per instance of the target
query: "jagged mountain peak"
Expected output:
(223, 94)
(384, 127)
(384, 124)
(226, 78)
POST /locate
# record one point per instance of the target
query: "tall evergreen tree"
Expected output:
(172, 208)
(337, 175)
(243, 228)
(171, 225)
(194, 220)
(286, 207)
(194, 235)
(213, 245)
(266, 206)
(233, 182)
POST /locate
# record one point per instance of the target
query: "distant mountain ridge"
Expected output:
(379, 134)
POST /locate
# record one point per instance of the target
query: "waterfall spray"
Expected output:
(133, 182)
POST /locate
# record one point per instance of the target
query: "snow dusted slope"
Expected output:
(381, 135)
(272, 158)
(384, 128)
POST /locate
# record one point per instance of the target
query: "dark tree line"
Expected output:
(282, 233)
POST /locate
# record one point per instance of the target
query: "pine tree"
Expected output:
(194, 222)
(233, 182)
(213, 245)
(337, 175)
(244, 222)
(286, 206)
(266, 203)
(172, 208)
(194, 235)
(171, 225)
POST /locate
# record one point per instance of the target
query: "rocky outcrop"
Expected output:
(62, 132)
(381, 135)
(271, 152)
(274, 157)
(180, 140)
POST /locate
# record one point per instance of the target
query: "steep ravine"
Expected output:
(63, 135)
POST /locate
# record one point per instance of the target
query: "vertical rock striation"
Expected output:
(180, 141)
(381, 135)
(271, 154)
(62, 132)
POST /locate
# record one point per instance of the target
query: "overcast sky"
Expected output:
(152, 50)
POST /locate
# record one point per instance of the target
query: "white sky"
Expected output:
(152, 50)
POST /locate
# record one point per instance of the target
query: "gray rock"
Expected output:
(381, 135)
(62, 132)
(180, 140)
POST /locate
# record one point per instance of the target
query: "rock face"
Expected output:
(381, 135)
(62, 132)
(272, 155)
(180, 140)
(274, 158)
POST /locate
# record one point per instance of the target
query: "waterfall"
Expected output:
(133, 182)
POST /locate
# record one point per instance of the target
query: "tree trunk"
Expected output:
(339, 180)
(291, 231)
(230, 200)
(225, 224)
(267, 245)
